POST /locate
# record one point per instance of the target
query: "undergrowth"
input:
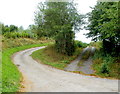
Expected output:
(106, 65)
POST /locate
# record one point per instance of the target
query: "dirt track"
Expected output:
(43, 78)
(86, 66)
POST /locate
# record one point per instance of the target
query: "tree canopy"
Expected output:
(59, 20)
(104, 25)
(6, 28)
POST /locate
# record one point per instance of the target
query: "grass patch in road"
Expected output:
(85, 56)
(81, 62)
(50, 57)
(11, 77)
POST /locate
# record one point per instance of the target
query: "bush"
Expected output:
(65, 61)
(97, 45)
(80, 44)
(105, 65)
(104, 68)
(19, 35)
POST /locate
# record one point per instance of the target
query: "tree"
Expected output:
(104, 26)
(6, 28)
(13, 28)
(59, 20)
(20, 29)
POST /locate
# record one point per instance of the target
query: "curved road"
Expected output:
(42, 78)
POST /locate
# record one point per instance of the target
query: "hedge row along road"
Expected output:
(43, 78)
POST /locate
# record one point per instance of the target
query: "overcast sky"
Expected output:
(21, 13)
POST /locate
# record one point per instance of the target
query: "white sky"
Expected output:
(21, 13)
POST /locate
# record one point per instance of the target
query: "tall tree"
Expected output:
(6, 28)
(104, 26)
(59, 20)
(13, 28)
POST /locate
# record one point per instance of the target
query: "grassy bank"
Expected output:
(106, 65)
(11, 42)
(11, 77)
(50, 57)
(85, 57)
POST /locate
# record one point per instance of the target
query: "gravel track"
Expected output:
(42, 78)
(86, 66)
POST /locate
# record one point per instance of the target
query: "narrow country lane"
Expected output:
(86, 66)
(43, 78)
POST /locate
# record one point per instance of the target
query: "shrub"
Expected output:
(65, 61)
(80, 44)
(97, 45)
(106, 65)
(104, 68)
(20, 35)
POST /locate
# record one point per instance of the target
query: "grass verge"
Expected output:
(106, 65)
(50, 57)
(11, 77)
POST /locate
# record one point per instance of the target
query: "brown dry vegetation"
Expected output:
(10, 43)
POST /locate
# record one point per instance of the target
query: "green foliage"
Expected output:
(64, 42)
(104, 68)
(106, 65)
(37, 30)
(80, 44)
(13, 28)
(104, 26)
(65, 61)
(19, 35)
(57, 20)
(6, 28)
(97, 45)
(15, 32)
